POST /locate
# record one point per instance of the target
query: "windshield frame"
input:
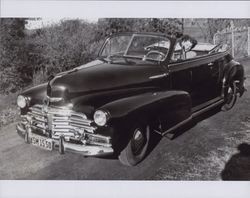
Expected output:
(166, 58)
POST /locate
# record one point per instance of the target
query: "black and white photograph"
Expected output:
(136, 98)
(124, 98)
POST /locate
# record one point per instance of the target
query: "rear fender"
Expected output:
(234, 71)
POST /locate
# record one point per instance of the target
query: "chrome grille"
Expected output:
(64, 122)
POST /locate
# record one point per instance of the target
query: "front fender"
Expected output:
(163, 108)
(36, 94)
(151, 105)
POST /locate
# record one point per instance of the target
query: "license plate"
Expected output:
(42, 142)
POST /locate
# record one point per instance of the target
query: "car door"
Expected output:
(181, 71)
(206, 83)
(181, 77)
(198, 77)
(201, 84)
(215, 77)
(176, 78)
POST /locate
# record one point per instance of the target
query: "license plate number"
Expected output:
(41, 142)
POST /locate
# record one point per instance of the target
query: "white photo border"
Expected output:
(113, 9)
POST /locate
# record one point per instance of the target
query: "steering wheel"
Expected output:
(159, 57)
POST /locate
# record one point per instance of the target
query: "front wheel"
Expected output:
(230, 97)
(136, 149)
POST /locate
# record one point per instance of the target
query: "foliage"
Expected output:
(215, 25)
(113, 25)
(64, 46)
(8, 116)
(31, 56)
(8, 110)
(14, 63)
(208, 27)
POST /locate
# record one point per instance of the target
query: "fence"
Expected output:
(237, 39)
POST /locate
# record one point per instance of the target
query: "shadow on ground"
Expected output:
(238, 167)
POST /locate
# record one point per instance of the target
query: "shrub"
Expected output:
(14, 64)
(8, 116)
(31, 56)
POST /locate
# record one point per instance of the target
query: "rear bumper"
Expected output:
(62, 146)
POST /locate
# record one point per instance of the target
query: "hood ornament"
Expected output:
(48, 100)
(54, 99)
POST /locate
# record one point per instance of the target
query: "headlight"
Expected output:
(22, 101)
(101, 117)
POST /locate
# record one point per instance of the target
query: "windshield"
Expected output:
(144, 47)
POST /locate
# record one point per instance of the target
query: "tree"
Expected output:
(107, 26)
(208, 27)
(64, 46)
(33, 55)
(74, 42)
(14, 70)
(215, 25)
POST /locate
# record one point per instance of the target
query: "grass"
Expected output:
(9, 111)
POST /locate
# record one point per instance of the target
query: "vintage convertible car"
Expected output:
(140, 84)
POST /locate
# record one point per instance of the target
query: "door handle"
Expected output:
(211, 65)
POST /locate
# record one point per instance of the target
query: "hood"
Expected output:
(100, 77)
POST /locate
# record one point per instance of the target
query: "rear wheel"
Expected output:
(136, 149)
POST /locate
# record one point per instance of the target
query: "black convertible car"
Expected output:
(140, 84)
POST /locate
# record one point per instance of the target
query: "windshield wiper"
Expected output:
(107, 59)
(115, 56)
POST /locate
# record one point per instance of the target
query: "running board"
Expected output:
(197, 113)
(206, 104)
(169, 133)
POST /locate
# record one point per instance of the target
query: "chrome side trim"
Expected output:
(158, 76)
(186, 64)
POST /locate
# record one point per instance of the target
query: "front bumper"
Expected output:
(61, 145)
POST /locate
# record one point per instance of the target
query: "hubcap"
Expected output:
(138, 141)
(138, 135)
(230, 95)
